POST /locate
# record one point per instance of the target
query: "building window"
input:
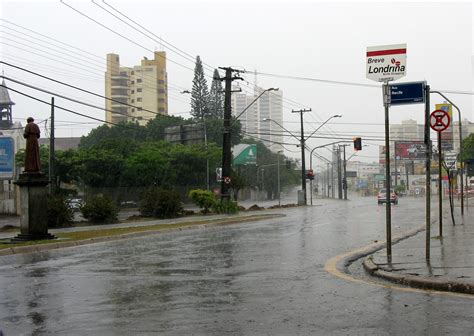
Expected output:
(139, 109)
(161, 109)
(139, 90)
(139, 99)
(133, 101)
(161, 100)
(161, 81)
(161, 90)
(133, 72)
(133, 91)
(133, 82)
(139, 80)
(133, 110)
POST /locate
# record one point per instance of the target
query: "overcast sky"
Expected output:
(320, 40)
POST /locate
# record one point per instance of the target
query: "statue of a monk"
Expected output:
(32, 156)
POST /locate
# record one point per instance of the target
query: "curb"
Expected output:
(416, 281)
(65, 244)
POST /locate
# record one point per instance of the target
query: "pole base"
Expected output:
(31, 237)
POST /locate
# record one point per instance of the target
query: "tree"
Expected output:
(216, 97)
(468, 148)
(200, 92)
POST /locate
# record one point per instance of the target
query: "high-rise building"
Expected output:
(255, 121)
(144, 86)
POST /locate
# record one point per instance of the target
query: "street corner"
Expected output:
(387, 272)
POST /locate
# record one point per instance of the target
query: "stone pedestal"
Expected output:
(33, 207)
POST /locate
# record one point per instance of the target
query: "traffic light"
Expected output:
(357, 144)
(310, 174)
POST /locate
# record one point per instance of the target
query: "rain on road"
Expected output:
(259, 278)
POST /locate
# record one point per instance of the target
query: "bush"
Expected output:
(161, 203)
(100, 209)
(225, 207)
(59, 212)
(202, 198)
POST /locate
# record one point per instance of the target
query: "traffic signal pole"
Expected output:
(428, 173)
(303, 163)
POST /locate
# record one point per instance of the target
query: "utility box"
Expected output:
(300, 197)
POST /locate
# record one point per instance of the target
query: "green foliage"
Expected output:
(468, 148)
(216, 97)
(59, 213)
(156, 126)
(100, 209)
(215, 129)
(161, 203)
(225, 207)
(202, 198)
(200, 92)
(101, 134)
(400, 188)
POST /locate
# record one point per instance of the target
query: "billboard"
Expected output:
(447, 134)
(410, 150)
(244, 154)
(7, 156)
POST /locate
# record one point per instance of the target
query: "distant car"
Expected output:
(128, 204)
(382, 197)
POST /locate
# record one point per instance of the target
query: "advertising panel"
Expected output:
(410, 150)
(447, 134)
(386, 63)
(7, 155)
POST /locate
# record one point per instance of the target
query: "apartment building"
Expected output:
(143, 86)
(262, 118)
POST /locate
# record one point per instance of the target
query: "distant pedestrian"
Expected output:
(32, 156)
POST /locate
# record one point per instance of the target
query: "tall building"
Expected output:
(408, 130)
(254, 119)
(144, 86)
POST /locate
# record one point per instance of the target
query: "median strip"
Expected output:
(77, 238)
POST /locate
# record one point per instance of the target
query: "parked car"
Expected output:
(382, 197)
(75, 203)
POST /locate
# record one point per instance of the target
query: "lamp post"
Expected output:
(460, 147)
(278, 173)
(302, 141)
(205, 145)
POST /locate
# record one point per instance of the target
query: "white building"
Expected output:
(262, 119)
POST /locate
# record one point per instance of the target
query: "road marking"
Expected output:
(331, 268)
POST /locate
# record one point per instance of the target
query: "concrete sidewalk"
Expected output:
(451, 265)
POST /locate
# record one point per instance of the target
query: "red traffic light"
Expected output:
(357, 144)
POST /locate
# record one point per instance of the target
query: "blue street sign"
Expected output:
(407, 93)
(7, 156)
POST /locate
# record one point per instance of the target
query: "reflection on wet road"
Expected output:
(262, 277)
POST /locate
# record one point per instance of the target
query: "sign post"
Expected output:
(384, 64)
(439, 121)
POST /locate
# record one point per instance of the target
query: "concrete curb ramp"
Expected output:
(416, 281)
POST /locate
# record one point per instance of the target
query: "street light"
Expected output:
(324, 123)
(253, 101)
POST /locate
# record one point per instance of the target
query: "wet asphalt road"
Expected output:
(260, 278)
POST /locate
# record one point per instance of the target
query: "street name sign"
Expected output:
(386, 63)
(439, 120)
(407, 93)
(7, 156)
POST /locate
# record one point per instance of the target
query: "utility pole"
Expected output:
(428, 173)
(328, 184)
(339, 173)
(303, 163)
(344, 179)
(226, 144)
(51, 152)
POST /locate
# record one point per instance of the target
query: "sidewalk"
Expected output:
(451, 265)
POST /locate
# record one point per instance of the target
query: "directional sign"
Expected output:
(450, 159)
(386, 63)
(7, 156)
(407, 93)
(439, 120)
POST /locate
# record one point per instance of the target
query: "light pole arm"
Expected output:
(294, 136)
(324, 123)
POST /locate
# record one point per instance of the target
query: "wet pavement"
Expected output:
(451, 261)
(259, 278)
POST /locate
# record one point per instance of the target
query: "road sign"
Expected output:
(219, 174)
(450, 159)
(407, 93)
(227, 180)
(447, 135)
(439, 120)
(386, 63)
